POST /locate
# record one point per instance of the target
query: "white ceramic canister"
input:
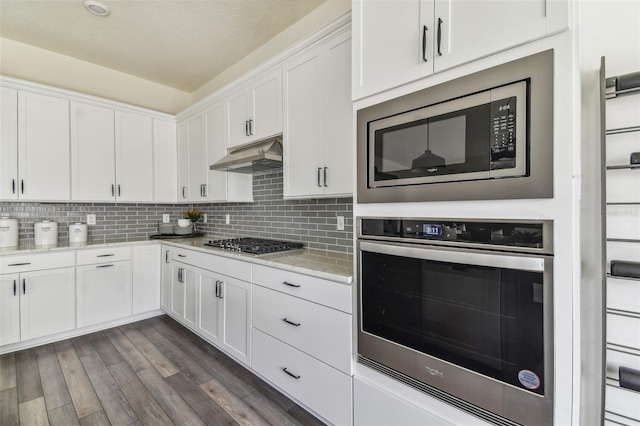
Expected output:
(46, 233)
(78, 233)
(8, 232)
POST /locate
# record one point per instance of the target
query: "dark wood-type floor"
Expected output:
(152, 372)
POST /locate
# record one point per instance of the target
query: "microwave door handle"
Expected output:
(461, 257)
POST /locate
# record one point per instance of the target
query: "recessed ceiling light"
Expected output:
(97, 8)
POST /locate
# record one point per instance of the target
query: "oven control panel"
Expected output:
(501, 233)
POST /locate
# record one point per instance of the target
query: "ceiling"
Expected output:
(181, 43)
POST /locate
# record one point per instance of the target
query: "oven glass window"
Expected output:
(488, 320)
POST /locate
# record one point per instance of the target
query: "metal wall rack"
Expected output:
(622, 292)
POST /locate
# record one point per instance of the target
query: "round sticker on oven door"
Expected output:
(529, 379)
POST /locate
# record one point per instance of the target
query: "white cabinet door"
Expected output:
(183, 293)
(9, 308)
(165, 297)
(146, 278)
(337, 144)
(236, 311)
(303, 129)
(104, 292)
(92, 153)
(216, 181)
(266, 113)
(255, 112)
(196, 156)
(43, 148)
(165, 164)
(389, 37)
(209, 310)
(318, 159)
(8, 144)
(473, 29)
(134, 157)
(47, 302)
(237, 107)
(183, 162)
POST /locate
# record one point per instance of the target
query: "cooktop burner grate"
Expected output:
(257, 246)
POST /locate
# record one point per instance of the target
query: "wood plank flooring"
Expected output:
(152, 372)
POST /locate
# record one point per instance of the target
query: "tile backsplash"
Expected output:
(311, 221)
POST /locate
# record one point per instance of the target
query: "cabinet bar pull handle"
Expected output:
(24, 286)
(250, 127)
(15, 288)
(290, 373)
(424, 43)
(20, 264)
(22, 186)
(217, 289)
(246, 127)
(629, 378)
(105, 255)
(220, 295)
(291, 285)
(13, 186)
(118, 190)
(113, 190)
(184, 189)
(296, 324)
(104, 266)
(166, 256)
(319, 169)
(439, 35)
(325, 176)
(182, 255)
(180, 275)
(204, 189)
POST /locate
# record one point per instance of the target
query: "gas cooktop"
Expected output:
(256, 246)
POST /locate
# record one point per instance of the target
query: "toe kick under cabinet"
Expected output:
(302, 339)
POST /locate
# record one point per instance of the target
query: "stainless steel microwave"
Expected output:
(488, 135)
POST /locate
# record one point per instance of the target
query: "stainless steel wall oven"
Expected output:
(488, 135)
(461, 309)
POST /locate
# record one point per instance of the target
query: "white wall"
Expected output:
(31, 63)
(318, 18)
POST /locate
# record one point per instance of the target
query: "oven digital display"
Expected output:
(430, 230)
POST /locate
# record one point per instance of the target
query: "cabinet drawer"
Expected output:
(190, 257)
(328, 293)
(229, 267)
(621, 358)
(323, 389)
(35, 262)
(622, 401)
(321, 332)
(103, 255)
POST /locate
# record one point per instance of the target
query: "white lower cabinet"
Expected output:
(209, 312)
(317, 385)
(104, 292)
(165, 286)
(36, 304)
(183, 293)
(146, 277)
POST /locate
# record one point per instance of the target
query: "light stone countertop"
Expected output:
(329, 265)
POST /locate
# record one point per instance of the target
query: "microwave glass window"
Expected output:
(486, 319)
(476, 139)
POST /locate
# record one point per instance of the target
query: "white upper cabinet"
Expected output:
(134, 157)
(255, 112)
(8, 144)
(165, 164)
(318, 152)
(398, 41)
(43, 148)
(92, 153)
(221, 185)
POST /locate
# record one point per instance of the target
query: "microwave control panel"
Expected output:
(503, 133)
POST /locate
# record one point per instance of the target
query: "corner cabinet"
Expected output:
(318, 154)
(255, 112)
(396, 42)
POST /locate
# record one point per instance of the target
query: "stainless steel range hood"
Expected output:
(256, 157)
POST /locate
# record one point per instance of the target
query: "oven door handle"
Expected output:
(534, 263)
